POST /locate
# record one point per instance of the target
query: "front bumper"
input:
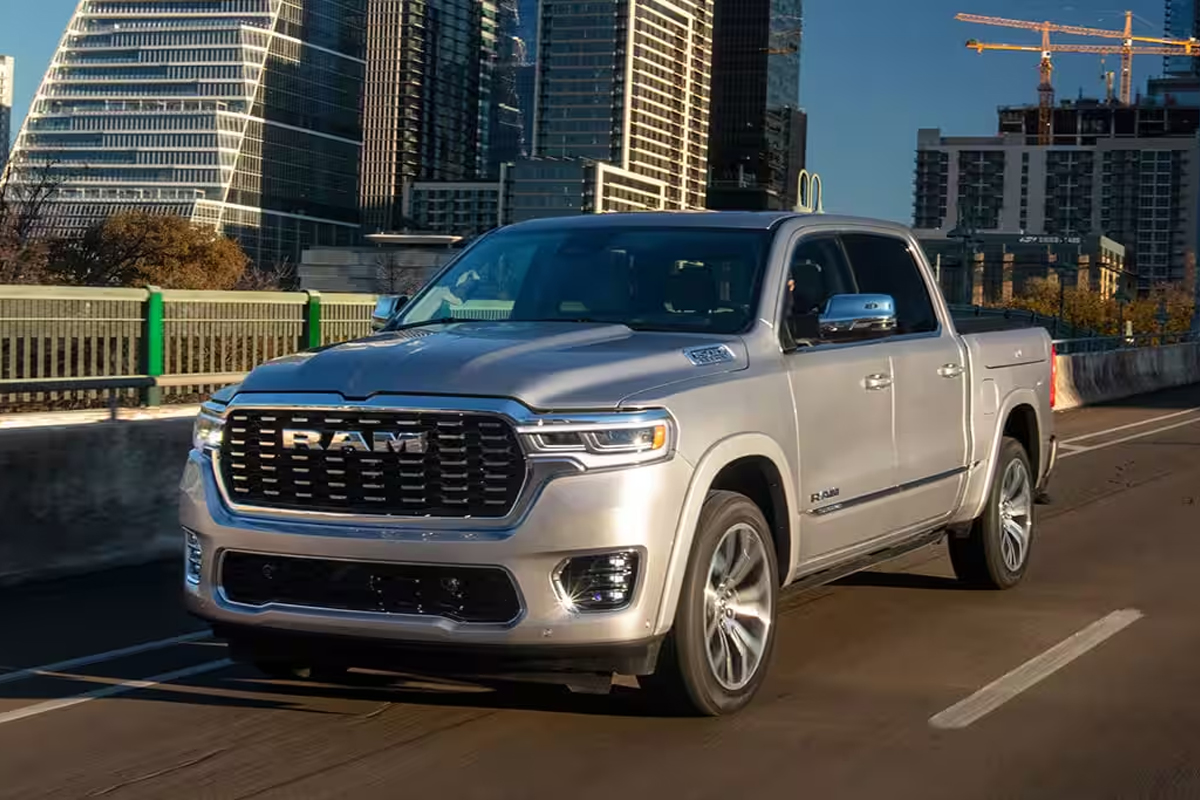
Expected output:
(570, 515)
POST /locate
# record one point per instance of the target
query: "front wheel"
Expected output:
(995, 554)
(717, 653)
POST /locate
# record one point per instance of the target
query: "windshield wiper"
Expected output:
(435, 321)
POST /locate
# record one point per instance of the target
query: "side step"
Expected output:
(826, 576)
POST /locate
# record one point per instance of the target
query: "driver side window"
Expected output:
(816, 272)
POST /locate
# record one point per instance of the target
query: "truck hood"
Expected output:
(546, 365)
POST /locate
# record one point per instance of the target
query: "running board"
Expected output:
(880, 556)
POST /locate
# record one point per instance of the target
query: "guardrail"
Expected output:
(73, 348)
(1056, 326)
(1105, 344)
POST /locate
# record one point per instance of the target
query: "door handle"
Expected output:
(950, 371)
(876, 382)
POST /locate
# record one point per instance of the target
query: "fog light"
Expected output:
(602, 582)
(194, 559)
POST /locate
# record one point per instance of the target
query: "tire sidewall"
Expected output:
(1011, 450)
(722, 511)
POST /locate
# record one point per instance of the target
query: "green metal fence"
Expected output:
(189, 343)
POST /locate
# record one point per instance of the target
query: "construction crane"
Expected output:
(1190, 47)
(1127, 50)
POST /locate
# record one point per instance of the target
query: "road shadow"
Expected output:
(243, 687)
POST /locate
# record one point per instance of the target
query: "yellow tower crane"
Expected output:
(1127, 50)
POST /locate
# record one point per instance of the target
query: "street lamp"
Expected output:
(966, 234)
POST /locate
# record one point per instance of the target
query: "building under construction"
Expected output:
(1131, 173)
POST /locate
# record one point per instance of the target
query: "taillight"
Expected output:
(1053, 374)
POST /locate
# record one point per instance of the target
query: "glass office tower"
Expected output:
(243, 114)
(627, 83)
(1182, 22)
(758, 136)
(437, 93)
(7, 71)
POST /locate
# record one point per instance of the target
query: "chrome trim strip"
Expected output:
(883, 493)
(322, 611)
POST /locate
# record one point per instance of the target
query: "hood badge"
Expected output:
(708, 354)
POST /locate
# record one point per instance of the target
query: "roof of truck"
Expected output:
(750, 220)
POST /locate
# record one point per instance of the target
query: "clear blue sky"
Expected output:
(874, 72)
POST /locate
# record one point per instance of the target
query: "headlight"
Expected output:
(208, 430)
(603, 440)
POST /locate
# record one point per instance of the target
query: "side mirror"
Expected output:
(848, 318)
(386, 307)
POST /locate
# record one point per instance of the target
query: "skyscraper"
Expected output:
(626, 83)
(243, 114)
(526, 78)
(1182, 21)
(431, 108)
(7, 64)
(757, 139)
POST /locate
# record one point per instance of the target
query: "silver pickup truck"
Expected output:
(603, 445)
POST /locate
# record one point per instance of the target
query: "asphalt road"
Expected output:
(866, 690)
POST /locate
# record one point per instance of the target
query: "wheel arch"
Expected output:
(752, 464)
(1017, 415)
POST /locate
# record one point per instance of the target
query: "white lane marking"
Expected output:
(109, 691)
(1078, 451)
(1120, 428)
(1033, 671)
(111, 655)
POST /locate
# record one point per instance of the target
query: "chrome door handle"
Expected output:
(874, 383)
(950, 371)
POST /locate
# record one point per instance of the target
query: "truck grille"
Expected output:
(464, 594)
(418, 463)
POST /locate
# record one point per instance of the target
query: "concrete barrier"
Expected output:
(82, 497)
(1089, 378)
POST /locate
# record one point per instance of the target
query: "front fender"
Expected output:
(716, 458)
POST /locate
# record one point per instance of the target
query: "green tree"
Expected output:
(1088, 310)
(137, 248)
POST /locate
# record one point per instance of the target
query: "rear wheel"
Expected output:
(995, 553)
(717, 653)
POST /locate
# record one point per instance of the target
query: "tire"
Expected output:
(993, 556)
(687, 679)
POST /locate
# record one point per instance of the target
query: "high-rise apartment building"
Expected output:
(626, 83)
(758, 133)
(7, 69)
(1129, 173)
(440, 101)
(243, 114)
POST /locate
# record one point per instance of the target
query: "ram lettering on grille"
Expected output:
(423, 464)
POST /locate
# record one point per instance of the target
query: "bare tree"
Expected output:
(25, 193)
(279, 277)
(393, 277)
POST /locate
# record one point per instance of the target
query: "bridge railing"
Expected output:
(977, 319)
(148, 346)
(1104, 344)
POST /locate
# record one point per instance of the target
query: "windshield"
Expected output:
(670, 279)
